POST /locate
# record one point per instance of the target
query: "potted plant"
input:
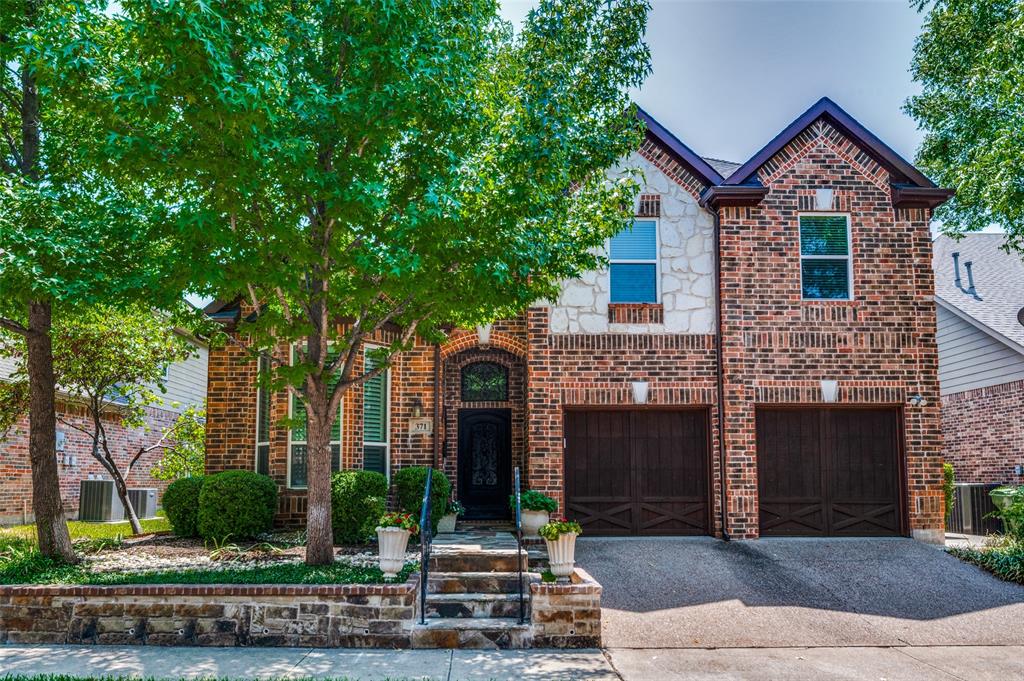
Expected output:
(393, 532)
(537, 509)
(447, 523)
(560, 536)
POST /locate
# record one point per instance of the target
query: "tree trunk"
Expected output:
(51, 527)
(129, 510)
(319, 532)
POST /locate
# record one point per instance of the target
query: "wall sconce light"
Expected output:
(417, 407)
(829, 390)
(484, 334)
(918, 401)
(640, 391)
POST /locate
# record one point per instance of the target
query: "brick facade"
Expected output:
(776, 347)
(984, 433)
(76, 462)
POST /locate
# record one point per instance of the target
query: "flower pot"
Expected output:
(392, 542)
(447, 523)
(562, 555)
(533, 521)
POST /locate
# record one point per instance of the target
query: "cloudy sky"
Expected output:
(730, 74)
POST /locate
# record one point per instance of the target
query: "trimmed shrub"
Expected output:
(409, 483)
(181, 504)
(532, 500)
(236, 504)
(358, 500)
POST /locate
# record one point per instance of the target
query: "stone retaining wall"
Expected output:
(566, 615)
(350, 616)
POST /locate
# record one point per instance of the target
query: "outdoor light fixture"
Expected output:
(640, 390)
(829, 390)
(417, 408)
(484, 334)
(918, 401)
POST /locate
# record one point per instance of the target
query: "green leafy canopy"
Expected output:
(969, 60)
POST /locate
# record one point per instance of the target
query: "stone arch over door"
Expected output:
(514, 405)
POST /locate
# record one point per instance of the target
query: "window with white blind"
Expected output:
(375, 419)
(633, 257)
(826, 264)
(263, 418)
(298, 452)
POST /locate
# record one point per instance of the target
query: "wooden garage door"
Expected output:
(637, 472)
(829, 472)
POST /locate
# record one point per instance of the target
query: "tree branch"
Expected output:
(13, 326)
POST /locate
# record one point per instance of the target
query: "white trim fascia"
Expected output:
(981, 326)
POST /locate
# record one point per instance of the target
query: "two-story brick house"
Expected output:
(758, 357)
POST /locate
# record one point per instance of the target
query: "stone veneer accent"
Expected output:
(566, 615)
(686, 239)
(983, 430)
(351, 615)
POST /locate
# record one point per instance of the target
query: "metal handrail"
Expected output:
(426, 541)
(519, 542)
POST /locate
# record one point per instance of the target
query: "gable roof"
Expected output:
(724, 168)
(998, 282)
(700, 168)
(902, 171)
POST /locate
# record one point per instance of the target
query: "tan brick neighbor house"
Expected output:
(772, 320)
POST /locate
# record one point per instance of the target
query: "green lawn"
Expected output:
(81, 530)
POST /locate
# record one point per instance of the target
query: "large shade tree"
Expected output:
(969, 60)
(346, 167)
(74, 228)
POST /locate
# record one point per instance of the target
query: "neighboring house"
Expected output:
(186, 385)
(807, 269)
(979, 288)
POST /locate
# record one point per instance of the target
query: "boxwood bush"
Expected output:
(236, 504)
(409, 483)
(358, 500)
(181, 504)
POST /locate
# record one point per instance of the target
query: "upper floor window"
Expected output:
(826, 266)
(484, 382)
(633, 254)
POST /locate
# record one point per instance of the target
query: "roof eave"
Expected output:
(726, 196)
(904, 196)
(700, 168)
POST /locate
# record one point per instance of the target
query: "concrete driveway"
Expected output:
(704, 593)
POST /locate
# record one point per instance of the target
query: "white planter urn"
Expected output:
(533, 521)
(447, 523)
(562, 555)
(391, 543)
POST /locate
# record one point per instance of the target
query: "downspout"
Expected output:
(720, 377)
(437, 406)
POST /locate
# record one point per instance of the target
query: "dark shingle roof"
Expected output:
(724, 168)
(998, 282)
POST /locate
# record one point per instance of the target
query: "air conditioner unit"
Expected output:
(98, 502)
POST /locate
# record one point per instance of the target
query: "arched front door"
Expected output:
(485, 462)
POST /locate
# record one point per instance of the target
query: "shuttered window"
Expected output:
(298, 452)
(826, 271)
(375, 419)
(263, 418)
(633, 257)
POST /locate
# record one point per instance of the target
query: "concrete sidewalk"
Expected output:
(791, 664)
(263, 663)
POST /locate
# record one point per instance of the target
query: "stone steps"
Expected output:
(475, 582)
(474, 605)
(480, 633)
(449, 560)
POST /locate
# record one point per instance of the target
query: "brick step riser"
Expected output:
(475, 609)
(475, 563)
(497, 584)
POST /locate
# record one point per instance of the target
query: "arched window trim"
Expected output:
(484, 381)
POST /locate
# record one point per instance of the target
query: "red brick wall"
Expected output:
(16, 473)
(983, 433)
(880, 347)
